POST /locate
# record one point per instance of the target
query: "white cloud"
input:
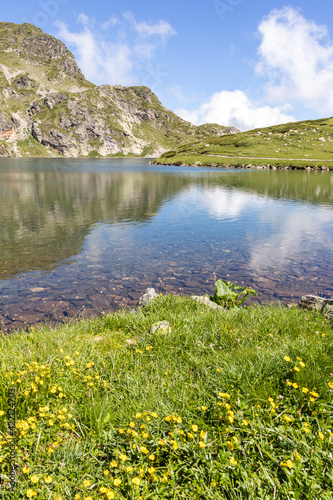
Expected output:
(161, 29)
(297, 55)
(100, 61)
(110, 53)
(237, 110)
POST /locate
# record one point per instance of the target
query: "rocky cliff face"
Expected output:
(48, 108)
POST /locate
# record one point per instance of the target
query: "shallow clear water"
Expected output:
(80, 236)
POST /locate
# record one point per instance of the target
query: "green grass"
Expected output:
(298, 144)
(31, 147)
(229, 405)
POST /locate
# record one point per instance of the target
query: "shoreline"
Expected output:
(49, 319)
(323, 168)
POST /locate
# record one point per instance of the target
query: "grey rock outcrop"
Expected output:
(7, 127)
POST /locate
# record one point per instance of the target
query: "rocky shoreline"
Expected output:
(323, 168)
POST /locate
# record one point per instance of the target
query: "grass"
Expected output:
(229, 405)
(297, 144)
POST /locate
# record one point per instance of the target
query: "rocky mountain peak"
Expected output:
(48, 108)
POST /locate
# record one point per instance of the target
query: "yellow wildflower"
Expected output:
(31, 493)
(117, 482)
(230, 445)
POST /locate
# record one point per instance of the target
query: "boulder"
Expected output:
(315, 303)
(148, 297)
(203, 299)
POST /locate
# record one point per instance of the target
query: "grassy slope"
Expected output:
(295, 144)
(229, 405)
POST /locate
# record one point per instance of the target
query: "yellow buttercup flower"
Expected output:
(289, 463)
(117, 482)
(48, 479)
(233, 461)
(31, 493)
(110, 495)
(151, 457)
(201, 444)
(136, 481)
(34, 479)
(286, 358)
(195, 428)
(230, 445)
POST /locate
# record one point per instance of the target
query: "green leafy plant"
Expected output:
(228, 294)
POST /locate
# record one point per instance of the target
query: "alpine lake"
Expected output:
(83, 237)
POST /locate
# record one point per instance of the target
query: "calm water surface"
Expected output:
(81, 236)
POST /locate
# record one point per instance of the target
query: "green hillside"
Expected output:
(298, 144)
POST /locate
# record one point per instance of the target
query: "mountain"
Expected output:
(304, 144)
(48, 108)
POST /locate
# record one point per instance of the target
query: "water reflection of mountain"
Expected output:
(45, 215)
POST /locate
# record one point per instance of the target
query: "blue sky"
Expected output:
(235, 62)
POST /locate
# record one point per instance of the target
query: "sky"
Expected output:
(242, 63)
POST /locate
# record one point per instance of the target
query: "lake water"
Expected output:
(82, 236)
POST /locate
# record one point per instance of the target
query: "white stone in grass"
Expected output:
(148, 297)
(203, 299)
(98, 339)
(162, 327)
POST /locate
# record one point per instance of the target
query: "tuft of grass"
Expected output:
(231, 404)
